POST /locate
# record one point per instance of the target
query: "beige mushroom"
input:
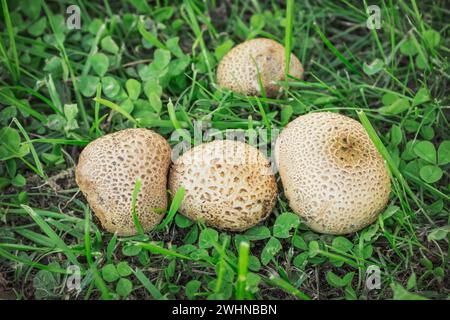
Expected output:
(108, 169)
(239, 69)
(332, 173)
(229, 185)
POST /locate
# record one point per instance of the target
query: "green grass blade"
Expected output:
(5, 254)
(241, 284)
(288, 39)
(38, 163)
(287, 287)
(12, 40)
(154, 248)
(151, 288)
(39, 96)
(23, 107)
(384, 152)
(335, 51)
(101, 285)
(116, 108)
(67, 142)
(149, 37)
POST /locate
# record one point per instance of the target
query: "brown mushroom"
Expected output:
(108, 169)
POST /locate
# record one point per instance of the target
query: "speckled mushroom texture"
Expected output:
(238, 70)
(332, 173)
(108, 169)
(229, 185)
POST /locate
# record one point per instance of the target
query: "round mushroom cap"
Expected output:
(108, 169)
(239, 68)
(228, 184)
(332, 173)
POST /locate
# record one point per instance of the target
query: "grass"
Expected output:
(61, 89)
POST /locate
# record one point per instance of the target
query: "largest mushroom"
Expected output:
(108, 169)
(229, 184)
(332, 173)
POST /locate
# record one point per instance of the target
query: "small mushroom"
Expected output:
(108, 169)
(239, 69)
(229, 185)
(332, 173)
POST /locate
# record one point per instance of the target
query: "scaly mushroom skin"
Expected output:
(229, 184)
(332, 173)
(107, 171)
(239, 68)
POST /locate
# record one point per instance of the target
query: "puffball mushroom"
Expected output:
(332, 173)
(228, 184)
(239, 68)
(108, 169)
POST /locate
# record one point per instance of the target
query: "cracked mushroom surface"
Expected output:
(229, 185)
(108, 169)
(239, 68)
(332, 173)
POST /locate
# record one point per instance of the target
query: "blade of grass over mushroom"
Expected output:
(241, 284)
(385, 153)
(287, 287)
(57, 241)
(136, 190)
(176, 202)
(116, 108)
(335, 51)
(413, 48)
(151, 288)
(15, 66)
(288, 39)
(101, 285)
